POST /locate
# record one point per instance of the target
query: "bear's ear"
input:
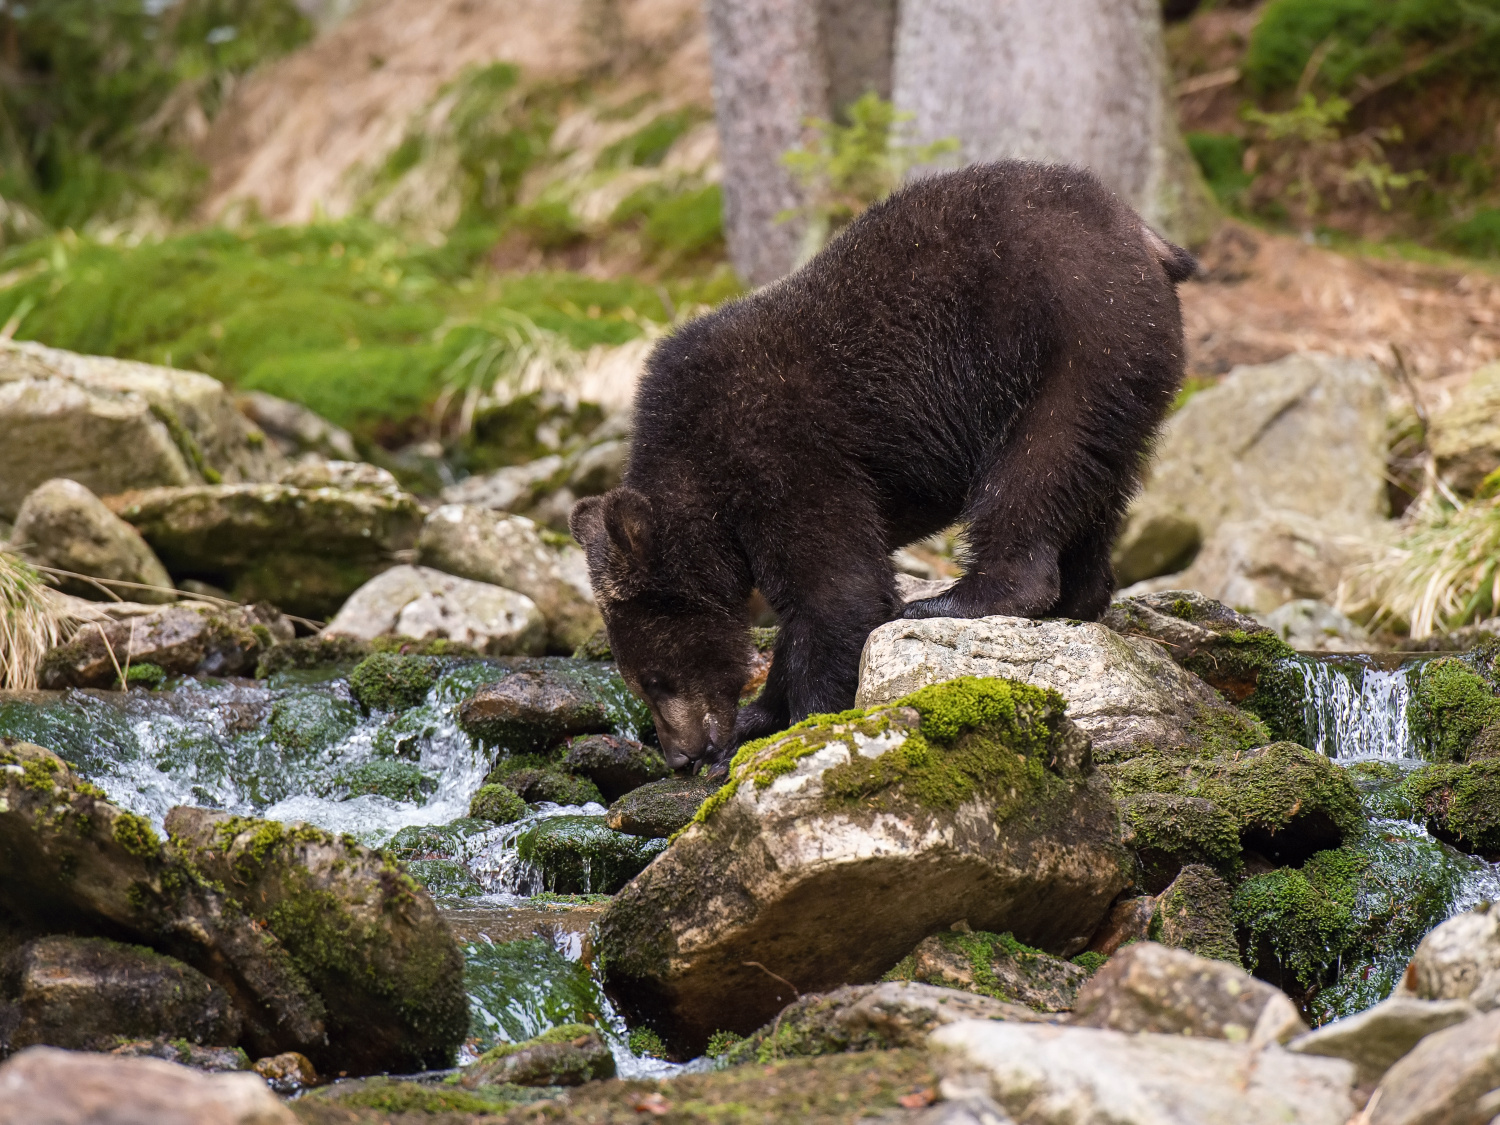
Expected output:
(615, 531)
(627, 518)
(586, 521)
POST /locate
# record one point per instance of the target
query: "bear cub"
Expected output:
(996, 345)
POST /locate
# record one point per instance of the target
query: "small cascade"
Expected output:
(1357, 712)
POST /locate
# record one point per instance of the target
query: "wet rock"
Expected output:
(1128, 920)
(1449, 1077)
(294, 429)
(361, 933)
(1286, 801)
(497, 804)
(444, 878)
(433, 841)
(508, 551)
(1314, 626)
(387, 681)
(1224, 648)
(1454, 710)
(1090, 1076)
(1376, 1038)
(69, 1088)
(576, 855)
(662, 807)
(69, 415)
(1196, 913)
(978, 792)
(1305, 434)
(569, 1055)
(533, 708)
(1460, 803)
(423, 604)
(1169, 830)
(1148, 987)
(995, 965)
(1263, 563)
(87, 993)
(213, 1060)
(868, 1017)
(180, 640)
(615, 765)
(287, 1072)
(1465, 437)
(63, 525)
(1459, 960)
(1124, 692)
(306, 653)
(534, 783)
(304, 549)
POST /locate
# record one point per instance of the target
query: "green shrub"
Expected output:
(1478, 237)
(1220, 156)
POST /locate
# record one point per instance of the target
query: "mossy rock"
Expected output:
(407, 1100)
(615, 765)
(433, 840)
(1286, 800)
(498, 804)
(334, 653)
(569, 1055)
(533, 708)
(386, 681)
(145, 675)
(1170, 830)
(1196, 913)
(1460, 804)
(444, 878)
(582, 855)
(537, 783)
(596, 647)
(1454, 711)
(399, 781)
(994, 965)
(661, 808)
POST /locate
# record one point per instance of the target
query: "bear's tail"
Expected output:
(1179, 264)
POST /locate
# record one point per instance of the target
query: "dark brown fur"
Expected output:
(996, 345)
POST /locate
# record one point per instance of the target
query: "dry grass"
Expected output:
(1443, 574)
(33, 618)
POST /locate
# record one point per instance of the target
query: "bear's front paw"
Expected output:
(940, 606)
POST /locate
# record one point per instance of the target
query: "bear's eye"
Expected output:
(654, 685)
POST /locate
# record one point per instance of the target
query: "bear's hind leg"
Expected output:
(1088, 578)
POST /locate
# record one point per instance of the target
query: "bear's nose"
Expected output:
(676, 759)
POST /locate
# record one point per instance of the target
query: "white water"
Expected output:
(1364, 721)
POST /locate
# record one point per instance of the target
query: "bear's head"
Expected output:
(686, 654)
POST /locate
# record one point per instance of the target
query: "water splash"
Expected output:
(1354, 710)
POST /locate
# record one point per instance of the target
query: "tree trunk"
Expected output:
(770, 75)
(1069, 81)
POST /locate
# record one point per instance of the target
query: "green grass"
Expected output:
(1477, 237)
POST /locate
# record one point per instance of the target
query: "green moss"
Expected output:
(1196, 913)
(146, 675)
(497, 804)
(1168, 831)
(388, 682)
(399, 781)
(1090, 962)
(39, 774)
(582, 855)
(645, 1043)
(134, 834)
(444, 878)
(720, 1043)
(435, 841)
(534, 783)
(394, 1096)
(336, 653)
(595, 648)
(1461, 803)
(1452, 708)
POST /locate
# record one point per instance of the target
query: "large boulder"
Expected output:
(1459, 960)
(63, 525)
(89, 993)
(1373, 1040)
(1465, 436)
(533, 708)
(1305, 434)
(1089, 1076)
(1451, 1077)
(114, 425)
(44, 1086)
(295, 429)
(834, 849)
(660, 808)
(1123, 691)
(180, 640)
(303, 549)
(323, 946)
(426, 604)
(508, 551)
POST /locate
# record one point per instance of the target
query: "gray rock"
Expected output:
(1305, 434)
(45, 1086)
(962, 1106)
(1373, 1040)
(1314, 626)
(660, 808)
(87, 993)
(615, 765)
(287, 1072)
(1459, 960)
(61, 524)
(532, 708)
(599, 468)
(509, 489)
(304, 549)
(564, 1056)
(1465, 436)
(181, 640)
(113, 425)
(868, 1017)
(1448, 1078)
(1089, 1076)
(508, 551)
(994, 965)
(213, 1060)
(352, 476)
(295, 429)
(1123, 691)
(1147, 987)
(827, 856)
(425, 604)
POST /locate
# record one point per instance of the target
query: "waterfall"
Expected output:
(1360, 715)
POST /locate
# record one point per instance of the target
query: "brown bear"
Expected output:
(996, 345)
